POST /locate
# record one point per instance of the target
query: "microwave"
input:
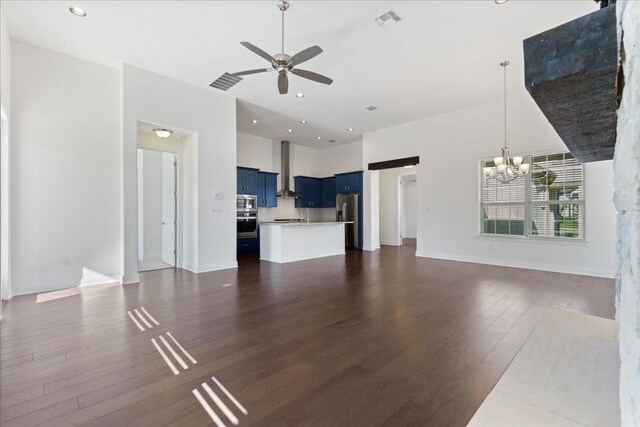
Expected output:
(247, 203)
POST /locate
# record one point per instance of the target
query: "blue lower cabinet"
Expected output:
(251, 244)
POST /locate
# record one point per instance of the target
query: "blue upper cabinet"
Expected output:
(308, 189)
(328, 192)
(271, 190)
(267, 183)
(349, 182)
(247, 180)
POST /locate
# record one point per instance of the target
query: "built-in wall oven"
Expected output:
(247, 216)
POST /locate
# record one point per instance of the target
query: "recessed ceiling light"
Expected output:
(319, 138)
(78, 11)
(255, 122)
(299, 95)
(304, 122)
(162, 133)
(350, 129)
(289, 130)
(501, 1)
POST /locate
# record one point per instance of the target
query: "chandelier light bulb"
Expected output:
(524, 168)
(498, 160)
(517, 161)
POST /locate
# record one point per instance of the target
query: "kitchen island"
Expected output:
(295, 241)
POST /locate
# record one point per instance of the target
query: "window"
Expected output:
(548, 202)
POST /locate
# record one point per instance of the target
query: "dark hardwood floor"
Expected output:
(366, 339)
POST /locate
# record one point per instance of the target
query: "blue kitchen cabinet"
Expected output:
(250, 244)
(328, 192)
(247, 180)
(308, 189)
(267, 188)
(350, 182)
(342, 183)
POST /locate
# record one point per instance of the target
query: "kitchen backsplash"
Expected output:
(287, 210)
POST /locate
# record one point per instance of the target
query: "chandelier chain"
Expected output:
(504, 66)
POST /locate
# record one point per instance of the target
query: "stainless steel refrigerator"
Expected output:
(347, 210)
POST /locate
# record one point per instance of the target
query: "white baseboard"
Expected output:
(90, 278)
(151, 258)
(130, 278)
(204, 268)
(390, 243)
(586, 271)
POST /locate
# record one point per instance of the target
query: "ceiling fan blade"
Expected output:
(305, 55)
(258, 51)
(312, 76)
(256, 71)
(283, 83)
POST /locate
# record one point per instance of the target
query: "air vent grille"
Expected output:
(387, 19)
(225, 81)
(371, 107)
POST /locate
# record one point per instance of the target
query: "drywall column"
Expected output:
(627, 200)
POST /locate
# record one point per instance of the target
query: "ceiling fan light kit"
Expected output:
(281, 62)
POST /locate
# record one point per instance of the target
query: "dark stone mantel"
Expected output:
(571, 72)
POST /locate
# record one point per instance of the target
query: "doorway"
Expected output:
(398, 208)
(409, 209)
(157, 210)
(393, 198)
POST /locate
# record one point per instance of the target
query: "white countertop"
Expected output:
(297, 223)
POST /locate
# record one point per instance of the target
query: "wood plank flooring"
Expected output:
(365, 339)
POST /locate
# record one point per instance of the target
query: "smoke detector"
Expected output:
(387, 19)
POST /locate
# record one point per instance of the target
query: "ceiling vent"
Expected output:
(371, 108)
(226, 81)
(387, 19)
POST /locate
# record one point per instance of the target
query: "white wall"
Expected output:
(409, 206)
(450, 146)
(5, 154)
(342, 158)
(257, 152)
(389, 208)
(157, 99)
(65, 169)
(5, 65)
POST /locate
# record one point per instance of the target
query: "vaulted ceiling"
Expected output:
(441, 56)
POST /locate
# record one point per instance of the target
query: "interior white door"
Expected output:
(169, 209)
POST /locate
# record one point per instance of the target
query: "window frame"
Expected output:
(529, 204)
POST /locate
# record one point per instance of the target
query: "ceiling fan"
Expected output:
(281, 62)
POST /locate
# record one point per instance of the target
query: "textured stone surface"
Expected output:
(571, 71)
(627, 200)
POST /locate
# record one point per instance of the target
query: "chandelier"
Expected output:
(506, 169)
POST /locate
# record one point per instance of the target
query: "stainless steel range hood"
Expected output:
(284, 160)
